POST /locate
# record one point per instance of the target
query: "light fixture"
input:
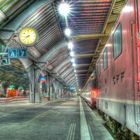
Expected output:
(71, 53)
(73, 64)
(64, 9)
(70, 45)
(72, 60)
(74, 71)
(67, 32)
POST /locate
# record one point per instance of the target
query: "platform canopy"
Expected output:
(90, 22)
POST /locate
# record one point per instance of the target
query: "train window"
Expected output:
(117, 41)
(105, 58)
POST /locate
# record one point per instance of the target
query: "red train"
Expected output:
(118, 70)
(91, 93)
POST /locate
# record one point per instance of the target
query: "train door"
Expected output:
(137, 87)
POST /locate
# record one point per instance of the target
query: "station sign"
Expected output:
(17, 53)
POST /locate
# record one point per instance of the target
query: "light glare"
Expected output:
(64, 9)
(70, 45)
(71, 54)
(73, 64)
(127, 9)
(67, 32)
(72, 60)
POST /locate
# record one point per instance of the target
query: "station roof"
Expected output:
(91, 22)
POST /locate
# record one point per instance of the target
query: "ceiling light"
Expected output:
(72, 60)
(73, 64)
(64, 9)
(74, 71)
(71, 53)
(67, 32)
(70, 45)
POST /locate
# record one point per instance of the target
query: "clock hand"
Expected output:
(26, 37)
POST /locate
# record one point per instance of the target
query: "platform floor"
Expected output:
(66, 119)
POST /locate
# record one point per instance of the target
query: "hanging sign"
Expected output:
(17, 53)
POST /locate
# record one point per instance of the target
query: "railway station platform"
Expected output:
(65, 119)
(58, 57)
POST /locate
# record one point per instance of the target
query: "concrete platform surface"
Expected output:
(66, 119)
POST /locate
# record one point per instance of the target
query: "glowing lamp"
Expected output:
(70, 45)
(64, 9)
(72, 60)
(71, 53)
(74, 65)
(67, 32)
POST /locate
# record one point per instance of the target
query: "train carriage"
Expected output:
(118, 70)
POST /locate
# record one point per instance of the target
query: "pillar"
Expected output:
(35, 93)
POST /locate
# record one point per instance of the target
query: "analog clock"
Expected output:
(28, 36)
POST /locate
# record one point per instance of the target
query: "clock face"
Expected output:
(28, 36)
